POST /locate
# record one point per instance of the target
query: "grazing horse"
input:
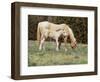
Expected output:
(46, 29)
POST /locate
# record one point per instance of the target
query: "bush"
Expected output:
(77, 24)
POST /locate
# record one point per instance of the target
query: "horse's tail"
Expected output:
(38, 33)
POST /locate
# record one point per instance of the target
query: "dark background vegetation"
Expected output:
(77, 24)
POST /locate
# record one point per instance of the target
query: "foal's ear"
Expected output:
(58, 30)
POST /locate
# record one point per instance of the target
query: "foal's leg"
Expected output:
(41, 42)
(57, 43)
(65, 42)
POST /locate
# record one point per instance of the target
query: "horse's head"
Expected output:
(74, 44)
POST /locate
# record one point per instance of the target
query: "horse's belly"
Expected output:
(52, 35)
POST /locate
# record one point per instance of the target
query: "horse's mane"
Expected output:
(70, 33)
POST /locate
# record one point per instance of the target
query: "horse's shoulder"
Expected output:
(65, 25)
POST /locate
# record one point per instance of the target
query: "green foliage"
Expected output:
(50, 56)
(77, 24)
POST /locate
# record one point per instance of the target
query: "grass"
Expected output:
(50, 56)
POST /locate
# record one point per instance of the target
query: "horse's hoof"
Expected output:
(44, 49)
(57, 49)
(40, 49)
(66, 50)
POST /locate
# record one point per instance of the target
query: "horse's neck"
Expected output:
(71, 35)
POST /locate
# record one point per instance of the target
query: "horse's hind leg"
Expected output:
(41, 43)
(57, 43)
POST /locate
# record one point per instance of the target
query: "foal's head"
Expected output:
(64, 33)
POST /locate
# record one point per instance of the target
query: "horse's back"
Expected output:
(44, 24)
(48, 26)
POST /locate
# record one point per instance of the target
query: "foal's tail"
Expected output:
(38, 33)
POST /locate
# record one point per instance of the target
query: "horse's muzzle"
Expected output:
(74, 46)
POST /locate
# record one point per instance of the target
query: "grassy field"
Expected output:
(50, 56)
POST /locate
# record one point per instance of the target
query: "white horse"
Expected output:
(46, 29)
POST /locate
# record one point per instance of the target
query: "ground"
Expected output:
(50, 56)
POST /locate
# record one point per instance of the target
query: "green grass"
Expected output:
(50, 56)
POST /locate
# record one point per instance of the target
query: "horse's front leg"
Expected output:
(41, 42)
(57, 43)
(65, 42)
